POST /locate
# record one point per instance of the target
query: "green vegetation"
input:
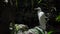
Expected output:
(58, 18)
(50, 32)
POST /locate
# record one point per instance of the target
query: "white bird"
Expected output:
(41, 17)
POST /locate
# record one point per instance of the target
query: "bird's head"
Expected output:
(39, 9)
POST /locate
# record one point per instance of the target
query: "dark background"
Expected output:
(24, 15)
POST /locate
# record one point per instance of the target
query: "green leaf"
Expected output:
(50, 32)
(39, 1)
(58, 18)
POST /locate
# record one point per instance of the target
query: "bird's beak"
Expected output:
(35, 9)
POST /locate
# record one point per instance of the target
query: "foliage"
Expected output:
(39, 1)
(50, 32)
(16, 3)
(58, 18)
